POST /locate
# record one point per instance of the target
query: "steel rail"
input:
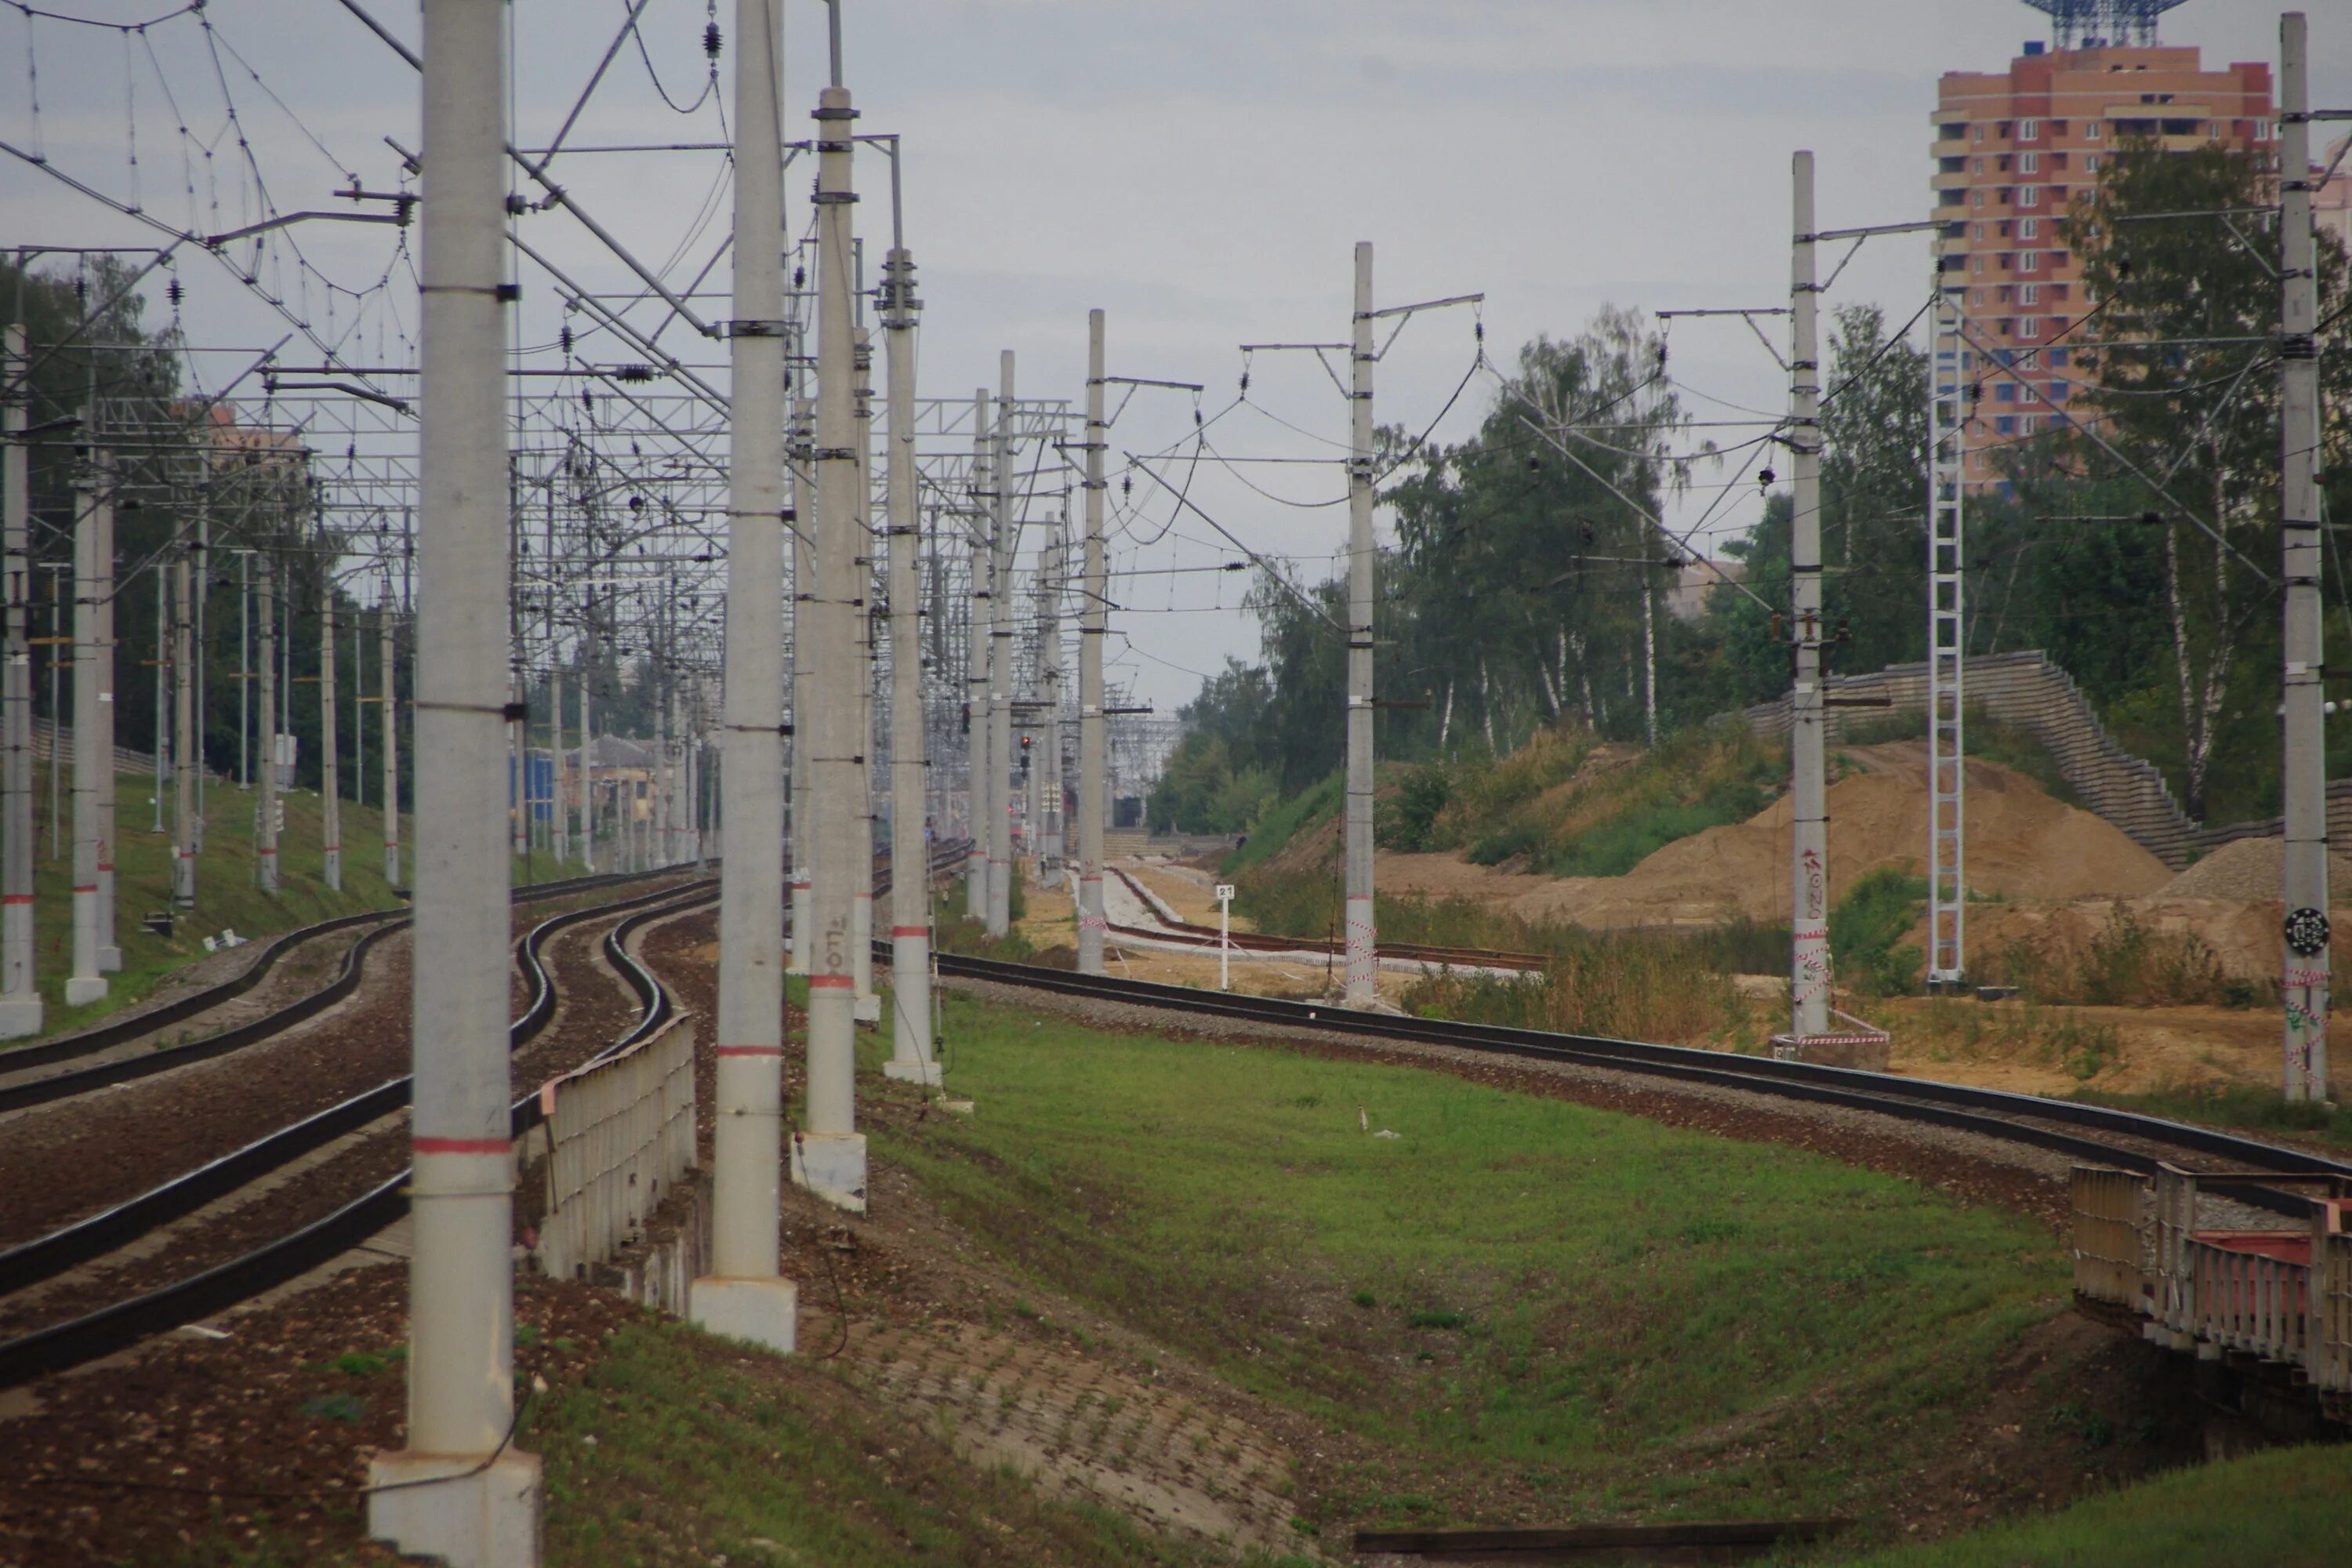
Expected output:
(1192, 934)
(64, 1085)
(62, 1346)
(47, 1256)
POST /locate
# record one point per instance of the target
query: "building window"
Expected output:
(2030, 229)
(2005, 392)
(1976, 166)
(2029, 130)
(2005, 425)
(2090, 163)
(2031, 295)
(2056, 391)
(1976, 231)
(1976, 298)
(2090, 131)
(1975, 264)
(2058, 359)
(1976, 199)
(1976, 135)
(2029, 164)
(2029, 197)
(2029, 261)
(2261, 130)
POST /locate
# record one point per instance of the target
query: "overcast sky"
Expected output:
(1198, 168)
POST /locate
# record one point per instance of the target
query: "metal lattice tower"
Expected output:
(1946, 637)
(2081, 23)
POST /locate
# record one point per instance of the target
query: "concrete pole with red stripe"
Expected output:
(330, 781)
(264, 832)
(745, 1295)
(20, 998)
(88, 982)
(828, 1153)
(910, 933)
(459, 1490)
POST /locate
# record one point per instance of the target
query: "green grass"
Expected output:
(2289, 1507)
(1541, 1274)
(228, 895)
(2254, 1109)
(679, 1448)
(1298, 814)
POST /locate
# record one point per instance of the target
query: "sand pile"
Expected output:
(2251, 868)
(2242, 935)
(2021, 844)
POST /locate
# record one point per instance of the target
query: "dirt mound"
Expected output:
(2251, 868)
(2242, 935)
(2021, 844)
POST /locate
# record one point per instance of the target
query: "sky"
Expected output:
(1199, 170)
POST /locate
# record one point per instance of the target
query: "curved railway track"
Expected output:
(62, 1345)
(2125, 1140)
(2067, 1127)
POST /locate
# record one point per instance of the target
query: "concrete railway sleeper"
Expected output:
(64, 1346)
(64, 1085)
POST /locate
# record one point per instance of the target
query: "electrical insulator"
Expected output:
(1764, 478)
(710, 40)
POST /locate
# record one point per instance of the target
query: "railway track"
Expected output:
(119, 1323)
(1174, 929)
(2129, 1140)
(23, 1084)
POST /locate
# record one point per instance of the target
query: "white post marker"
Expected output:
(109, 940)
(460, 1490)
(264, 830)
(387, 688)
(745, 1295)
(331, 803)
(1224, 936)
(187, 759)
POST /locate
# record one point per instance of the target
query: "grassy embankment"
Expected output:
(1639, 1319)
(2285, 1509)
(227, 895)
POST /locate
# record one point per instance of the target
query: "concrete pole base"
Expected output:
(758, 1310)
(20, 1016)
(833, 1167)
(866, 1009)
(446, 1509)
(924, 1073)
(110, 960)
(81, 991)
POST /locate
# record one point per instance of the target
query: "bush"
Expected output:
(2126, 964)
(1865, 929)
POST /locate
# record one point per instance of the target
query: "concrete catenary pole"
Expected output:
(109, 940)
(559, 824)
(744, 1295)
(1051, 849)
(479, 1505)
(264, 832)
(802, 515)
(2305, 976)
(910, 933)
(388, 696)
(187, 762)
(1001, 634)
(88, 982)
(829, 1153)
(20, 998)
(861, 894)
(979, 645)
(1093, 925)
(330, 803)
(1363, 962)
(1809, 980)
(588, 739)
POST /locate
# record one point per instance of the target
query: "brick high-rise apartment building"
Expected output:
(2012, 149)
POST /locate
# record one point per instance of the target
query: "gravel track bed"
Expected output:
(306, 968)
(63, 1162)
(596, 1008)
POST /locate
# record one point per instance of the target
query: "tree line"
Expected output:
(2132, 534)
